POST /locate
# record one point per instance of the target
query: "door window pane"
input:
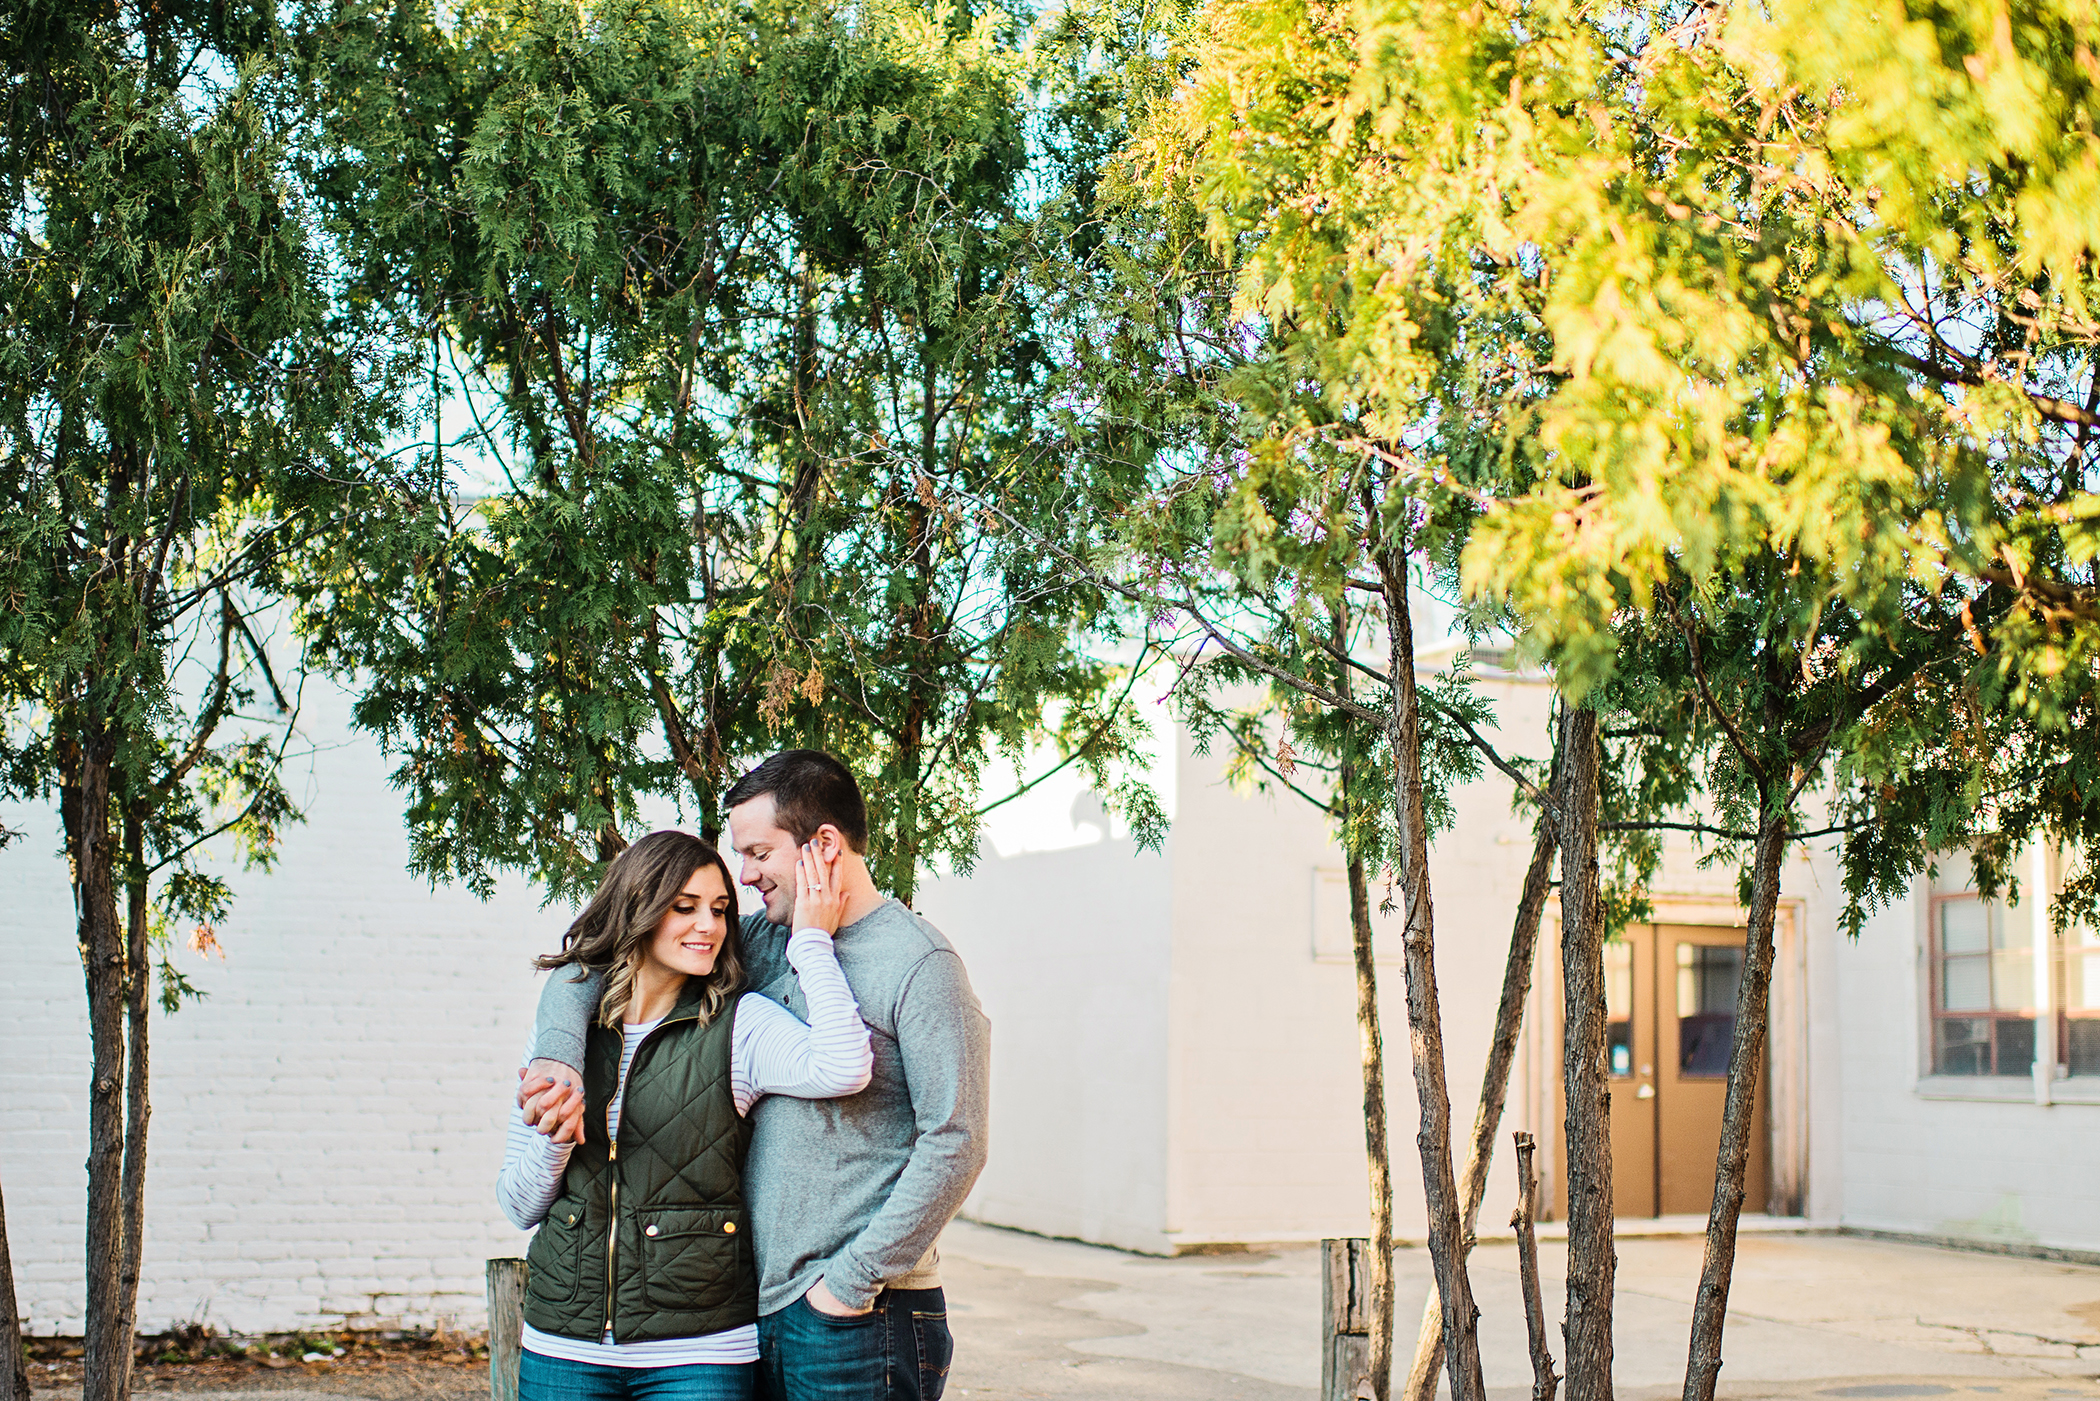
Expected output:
(1708, 980)
(1618, 1006)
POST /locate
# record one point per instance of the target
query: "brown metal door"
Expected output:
(1629, 1049)
(1697, 972)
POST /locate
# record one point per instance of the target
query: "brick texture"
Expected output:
(328, 1123)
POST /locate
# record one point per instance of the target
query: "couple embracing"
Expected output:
(739, 1139)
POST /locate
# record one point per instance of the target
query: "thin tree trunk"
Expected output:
(911, 736)
(138, 1107)
(1378, 1153)
(1745, 1062)
(1424, 1014)
(1524, 1219)
(918, 637)
(1494, 1086)
(1592, 1261)
(14, 1374)
(1377, 1149)
(85, 806)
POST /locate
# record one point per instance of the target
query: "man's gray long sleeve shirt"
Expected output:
(855, 1190)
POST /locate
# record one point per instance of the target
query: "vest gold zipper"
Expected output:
(612, 1234)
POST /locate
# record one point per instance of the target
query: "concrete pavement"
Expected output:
(1814, 1317)
(1811, 1315)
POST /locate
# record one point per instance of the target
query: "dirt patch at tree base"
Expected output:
(426, 1365)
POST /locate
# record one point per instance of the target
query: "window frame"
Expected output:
(2064, 952)
(2061, 952)
(1936, 1009)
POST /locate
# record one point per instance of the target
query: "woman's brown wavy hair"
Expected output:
(612, 934)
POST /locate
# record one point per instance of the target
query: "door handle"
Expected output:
(1645, 1092)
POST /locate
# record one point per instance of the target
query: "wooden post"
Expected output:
(1543, 1382)
(506, 1279)
(1345, 1321)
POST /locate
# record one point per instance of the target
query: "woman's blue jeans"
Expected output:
(558, 1379)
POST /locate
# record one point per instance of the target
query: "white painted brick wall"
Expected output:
(328, 1123)
(2011, 1171)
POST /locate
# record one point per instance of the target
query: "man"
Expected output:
(847, 1196)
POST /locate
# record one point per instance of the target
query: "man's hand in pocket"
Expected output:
(824, 1301)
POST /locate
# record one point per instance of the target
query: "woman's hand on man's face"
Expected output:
(819, 903)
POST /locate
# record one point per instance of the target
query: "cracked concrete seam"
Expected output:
(2078, 1351)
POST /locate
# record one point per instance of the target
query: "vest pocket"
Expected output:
(555, 1256)
(694, 1258)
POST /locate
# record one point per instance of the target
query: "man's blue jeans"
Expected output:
(558, 1379)
(899, 1352)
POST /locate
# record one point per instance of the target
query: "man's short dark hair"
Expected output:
(810, 789)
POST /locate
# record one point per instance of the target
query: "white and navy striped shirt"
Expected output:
(771, 1052)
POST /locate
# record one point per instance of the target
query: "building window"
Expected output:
(2079, 997)
(1983, 1009)
(1983, 991)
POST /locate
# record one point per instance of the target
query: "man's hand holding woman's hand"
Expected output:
(550, 1094)
(819, 903)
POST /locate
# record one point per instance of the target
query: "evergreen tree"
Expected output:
(179, 418)
(736, 300)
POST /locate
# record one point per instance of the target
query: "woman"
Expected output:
(641, 1276)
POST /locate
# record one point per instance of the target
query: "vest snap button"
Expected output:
(729, 1228)
(649, 1230)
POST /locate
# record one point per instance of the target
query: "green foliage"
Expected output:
(176, 416)
(1255, 529)
(1728, 347)
(740, 301)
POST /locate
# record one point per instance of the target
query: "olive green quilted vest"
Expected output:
(649, 1236)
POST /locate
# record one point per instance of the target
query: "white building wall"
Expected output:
(1228, 1105)
(1256, 1064)
(1266, 1126)
(328, 1122)
(1268, 1104)
(1068, 951)
(1968, 1158)
(1826, 949)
